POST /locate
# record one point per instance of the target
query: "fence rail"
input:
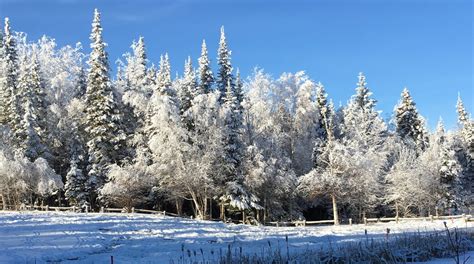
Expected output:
(466, 218)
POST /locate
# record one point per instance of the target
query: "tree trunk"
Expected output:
(265, 210)
(210, 208)
(204, 210)
(179, 206)
(198, 211)
(397, 213)
(222, 213)
(334, 210)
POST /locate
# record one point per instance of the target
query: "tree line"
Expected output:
(209, 145)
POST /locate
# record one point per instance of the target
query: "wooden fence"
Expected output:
(431, 218)
(86, 209)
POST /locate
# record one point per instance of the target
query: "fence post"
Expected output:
(365, 220)
(73, 208)
(350, 221)
(278, 225)
(397, 219)
(47, 208)
(304, 222)
(164, 213)
(464, 217)
(431, 218)
(101, 209)
(133, 210)
(87, 209)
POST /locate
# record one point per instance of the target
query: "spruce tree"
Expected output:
(239, 92)
(81, 83)
(206, 78)
(187, 90)
(362, 123)
(463, 116)
(323, 111)
(234, 193)
(4, 93)
(465, 151)
(102, 116)
(136, 70)
(75, 187)
(163, 77)
(409, 124)
(322, 121)
(32, 133)
(9, 83)
(224, 75)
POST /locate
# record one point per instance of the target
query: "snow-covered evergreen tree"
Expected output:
(163, 77)
(224, 74)
(239, 92)
(4, 92)
(136, 71)
(102, 116)
(449, 170)
(81, 83)
(206, 78)
(323, 124)
(75, 183)
(409, 124)
(10, 77)
(464, 142)
(234, 193)
(187, 89)
(364, 133)
(467, 126)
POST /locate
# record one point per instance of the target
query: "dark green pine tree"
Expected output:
(104, 134)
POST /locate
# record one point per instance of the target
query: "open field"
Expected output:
(93, 238)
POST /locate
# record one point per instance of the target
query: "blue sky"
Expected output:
(425, 45)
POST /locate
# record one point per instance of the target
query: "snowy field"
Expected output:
(79, 238)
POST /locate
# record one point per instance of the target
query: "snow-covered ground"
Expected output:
(464, 258)
(38, 237)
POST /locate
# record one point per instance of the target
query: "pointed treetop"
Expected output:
(139, 48)
(440, 127)
(222, 34)
(164, 75)
(96, 34)
(321, 96)
(361, 82)
(7, 27)
(188, 66)
(463, 115)
(362, 98)
(205, 73)
(224, 75)
(406, 97)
